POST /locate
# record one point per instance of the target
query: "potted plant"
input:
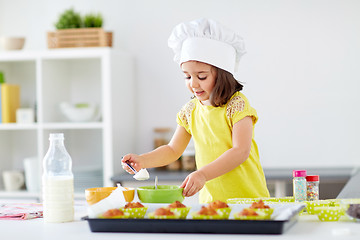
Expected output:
(73, 30)
(69, 19)
(93, 20)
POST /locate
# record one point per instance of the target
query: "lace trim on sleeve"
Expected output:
(185, 112)
(236, 104)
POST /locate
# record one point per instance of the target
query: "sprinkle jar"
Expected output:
(299, 185)
(312, 187)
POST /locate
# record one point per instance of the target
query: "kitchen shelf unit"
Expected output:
(102, 76)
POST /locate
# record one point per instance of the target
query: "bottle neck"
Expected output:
(57, 161)
(57, 142)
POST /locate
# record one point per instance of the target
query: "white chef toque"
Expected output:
(207, 41)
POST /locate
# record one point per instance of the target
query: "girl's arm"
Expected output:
(162, 155)
(241, 139)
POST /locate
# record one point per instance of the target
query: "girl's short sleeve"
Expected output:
(184, 116)
(238, 108)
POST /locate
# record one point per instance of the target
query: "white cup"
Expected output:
(32, 174)
(13, 180)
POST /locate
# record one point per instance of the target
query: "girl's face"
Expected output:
(200, 79)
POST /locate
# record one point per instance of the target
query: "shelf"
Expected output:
(76, 53)
(79, 125)
(58, 125)
(10, 56)
(61, 53)
(17, 126)
(100, 76)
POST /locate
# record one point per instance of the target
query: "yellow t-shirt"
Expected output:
(211, 129)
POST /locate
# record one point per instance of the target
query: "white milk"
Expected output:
(58, 199)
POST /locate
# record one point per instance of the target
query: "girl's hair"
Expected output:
(225, 86)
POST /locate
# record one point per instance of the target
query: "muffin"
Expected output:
(114, 213)
(134, 205)
(179, 208)
(164, 213)
(218, 204)
(177, 204)
(250, 214)
(261, 207)
(207, 212)
(135, 210)
(221, 207)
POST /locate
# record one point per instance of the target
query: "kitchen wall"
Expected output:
(301, 70)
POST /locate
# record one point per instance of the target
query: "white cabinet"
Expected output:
(102, 76)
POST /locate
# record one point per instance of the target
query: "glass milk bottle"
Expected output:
(57, 182)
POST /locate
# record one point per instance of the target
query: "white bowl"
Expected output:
(12, 43)
(78, 114)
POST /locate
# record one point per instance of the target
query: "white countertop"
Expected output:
(307, 227)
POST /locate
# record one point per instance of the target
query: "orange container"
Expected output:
(94, 195)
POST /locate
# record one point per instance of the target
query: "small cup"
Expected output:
(13, 180)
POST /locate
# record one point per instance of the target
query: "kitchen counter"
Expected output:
(285, 174)
(307, 227)
(279, 177)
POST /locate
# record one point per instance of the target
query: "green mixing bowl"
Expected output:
(163, 194)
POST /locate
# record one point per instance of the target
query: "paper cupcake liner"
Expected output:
(311, 205)
(329, 213)
(279, 200)
(267, 211)
(183, 212)
(243, 200)
(345, 204)
(265, 200)
(135, 212)
(225, 212)
(261, 216)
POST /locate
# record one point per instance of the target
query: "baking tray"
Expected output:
(285, 216)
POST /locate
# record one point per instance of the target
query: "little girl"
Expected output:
(219, 118)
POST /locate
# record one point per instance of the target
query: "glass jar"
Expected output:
(188, 162)
(299, 185)
(161, 136)
(312, 187)
(188, 157)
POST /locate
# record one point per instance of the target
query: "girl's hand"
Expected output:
(193, 183)
(134, 160)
